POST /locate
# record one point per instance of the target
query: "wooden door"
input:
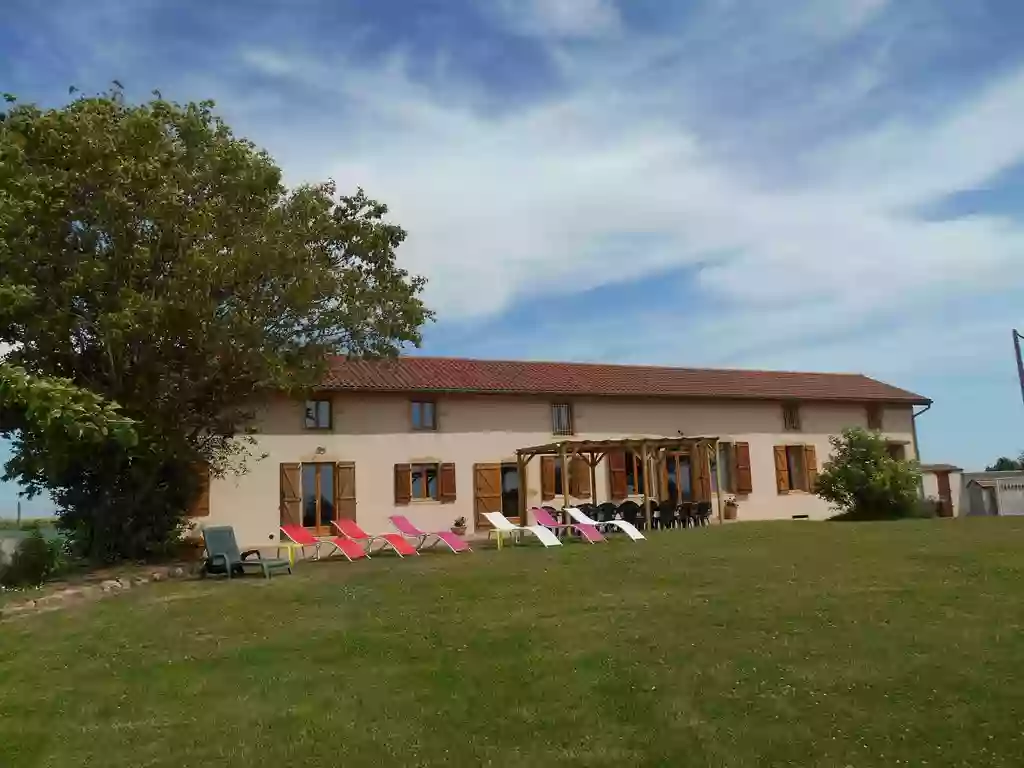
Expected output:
(945, 494)
(291, 494)
(345, 490)
(486, 492)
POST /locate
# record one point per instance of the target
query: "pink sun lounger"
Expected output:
(350, 529)
(588, 532)
(406, 527)
(299, 535)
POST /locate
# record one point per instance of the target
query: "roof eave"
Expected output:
(907, 401)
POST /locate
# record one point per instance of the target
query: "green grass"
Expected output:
(804, 644)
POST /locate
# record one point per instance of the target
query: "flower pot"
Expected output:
(459, 530)
(731, 510)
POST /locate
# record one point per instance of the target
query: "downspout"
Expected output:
(917, 448)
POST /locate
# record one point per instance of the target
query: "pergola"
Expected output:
(650, 451)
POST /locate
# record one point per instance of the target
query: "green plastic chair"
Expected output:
(223, 557)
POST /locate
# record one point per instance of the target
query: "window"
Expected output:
(424, 415)
(678, 480)
(796, 468)
(423, 479)
(550, 477)
(875, 417)
(318, 414)
(318, 496)
(726, 467)
(510, 490)
(897, 451)
(561, 418)
(634, 474)
(791, 417)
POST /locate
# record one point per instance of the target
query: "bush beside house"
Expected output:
(864, 482)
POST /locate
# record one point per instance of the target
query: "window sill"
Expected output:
(319, 429)
(424, 501)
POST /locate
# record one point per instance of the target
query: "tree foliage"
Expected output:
(155, 259)
(1006, 464)
(864, 482)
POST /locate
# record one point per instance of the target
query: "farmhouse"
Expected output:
(436, 439)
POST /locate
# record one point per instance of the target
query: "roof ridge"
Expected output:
(626, 366)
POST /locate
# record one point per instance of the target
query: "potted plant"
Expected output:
(459, 526)
(732, 508)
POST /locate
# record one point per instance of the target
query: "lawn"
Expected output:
(804, 644)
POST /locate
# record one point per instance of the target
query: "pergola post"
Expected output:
(593, 478)
(718, 478)
(521, 496)
(565, 481)
(645, 451)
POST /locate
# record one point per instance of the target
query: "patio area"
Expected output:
(675, 478)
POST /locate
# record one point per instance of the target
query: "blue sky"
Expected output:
(815, 184)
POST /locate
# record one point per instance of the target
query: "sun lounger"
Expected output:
(627, 528)
(223, 557)
(299, 535)
(588, 532)
(453, 541)
(503, 527)
(349, 529)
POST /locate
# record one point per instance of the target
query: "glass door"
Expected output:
(677, 476)
(318, 494)
(510, 491)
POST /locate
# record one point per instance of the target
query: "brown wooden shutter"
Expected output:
(486, 492)
(742, 476)
(345, 490)
(447, 483)
(699, 474)
(201, 506)
(617, 475)
(579, 478)
(291, 494)
(403, 483)
(781, 469)
(811, 463)
(547, 477)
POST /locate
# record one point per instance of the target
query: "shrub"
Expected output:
(34, 561)
(865, 483)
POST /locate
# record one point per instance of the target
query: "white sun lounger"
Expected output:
(627, 528)
(503, 526)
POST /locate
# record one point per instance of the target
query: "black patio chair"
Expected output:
(669, 514)
(703, 513)
(686, 514)
(630, 512)
(606, 511)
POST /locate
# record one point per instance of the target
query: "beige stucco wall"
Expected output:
(374, 432)
(930, 482)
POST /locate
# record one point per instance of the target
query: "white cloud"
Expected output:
(561, 18)
(511, 205)
(795, 205)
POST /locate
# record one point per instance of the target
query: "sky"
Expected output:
(828, 185)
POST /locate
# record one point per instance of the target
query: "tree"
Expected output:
(864, 482)
(159, 262)
(1006, 464)
(58, 412)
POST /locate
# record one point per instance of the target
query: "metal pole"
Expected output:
(19, 514)
(1020, 361)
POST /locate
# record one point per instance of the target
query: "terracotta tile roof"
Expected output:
(440, 374)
